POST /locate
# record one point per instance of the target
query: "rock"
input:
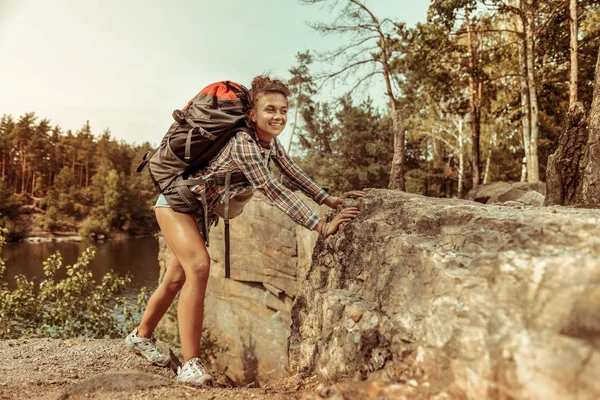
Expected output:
(469, 301)
(484, 192)
(532, 198)
(516, 191)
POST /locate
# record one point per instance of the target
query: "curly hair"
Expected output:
(263, 84)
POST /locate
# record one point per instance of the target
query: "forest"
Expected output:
(477, 93)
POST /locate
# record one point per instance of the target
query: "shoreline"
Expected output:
(46, 237)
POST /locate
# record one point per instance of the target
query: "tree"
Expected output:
(302, 87)
(340, 157)
(373, 41)
(590, 185)
(574, 168)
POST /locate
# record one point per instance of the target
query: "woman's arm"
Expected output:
(247, 157)
(298, 177)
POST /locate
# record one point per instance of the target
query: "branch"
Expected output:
(327, 77)
(368, 76)
(438, 137)
(342, 50)
(504, 76)
(339, 29)
(355, 64)
(463, 32)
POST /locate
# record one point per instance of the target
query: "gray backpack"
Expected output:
(199, 132)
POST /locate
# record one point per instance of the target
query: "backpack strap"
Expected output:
(226, 221)
(180, 117)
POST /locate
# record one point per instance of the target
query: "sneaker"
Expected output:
(193, 372)
(147, 348)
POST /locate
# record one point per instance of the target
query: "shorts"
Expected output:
(236, 206)
(162, 202)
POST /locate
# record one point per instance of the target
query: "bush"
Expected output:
(92, 227)
(50, 219)
(13, 231)
(76, 306)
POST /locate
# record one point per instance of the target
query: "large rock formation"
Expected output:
(250, 313)
(456, 299)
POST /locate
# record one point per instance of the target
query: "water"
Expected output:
(138, 256)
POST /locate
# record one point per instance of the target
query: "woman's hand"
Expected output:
(346, 215)
(335, 202)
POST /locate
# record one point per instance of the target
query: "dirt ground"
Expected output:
(105, 369)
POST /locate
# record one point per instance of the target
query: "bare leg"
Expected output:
(162, 297)
(187, 244)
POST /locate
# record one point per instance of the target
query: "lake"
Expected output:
(138, 256)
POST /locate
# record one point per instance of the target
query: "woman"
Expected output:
(188, 266)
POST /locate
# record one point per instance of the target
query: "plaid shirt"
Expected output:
(243, 154)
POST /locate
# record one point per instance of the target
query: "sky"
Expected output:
(126, 65)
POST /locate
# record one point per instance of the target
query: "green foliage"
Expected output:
(8, 201)
(50, 220)
(74, 306)
(72, 175)
(93, 228)
(349, 148)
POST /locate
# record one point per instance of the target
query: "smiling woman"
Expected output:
(246, 154)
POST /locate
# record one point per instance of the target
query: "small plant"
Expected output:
(76, 306)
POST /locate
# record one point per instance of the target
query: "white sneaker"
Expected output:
(147, 348)
(193, 372)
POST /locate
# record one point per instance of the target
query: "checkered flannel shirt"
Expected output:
(243, 154)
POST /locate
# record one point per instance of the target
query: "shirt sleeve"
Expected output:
(298, 177)
(246, 155)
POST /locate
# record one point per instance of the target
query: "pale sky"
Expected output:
(125, 65)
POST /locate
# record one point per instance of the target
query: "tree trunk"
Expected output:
(397, 173)
(488, 161)
(533, 174)
(525, 106)
(23, 160)
(563, 174)
(3, 165)
(573, 49)
(474, 106)
(296, 111)
(589, 192)
(461, 159)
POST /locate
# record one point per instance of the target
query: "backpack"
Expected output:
(201, 129)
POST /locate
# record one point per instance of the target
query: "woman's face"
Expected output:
(269, 115)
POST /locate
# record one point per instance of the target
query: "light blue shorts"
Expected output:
(161, 202)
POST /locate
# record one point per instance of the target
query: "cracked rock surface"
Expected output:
(454, 299)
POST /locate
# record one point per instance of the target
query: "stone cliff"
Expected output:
(458, 299)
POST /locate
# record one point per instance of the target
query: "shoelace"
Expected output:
(149, 345)
(198, 366)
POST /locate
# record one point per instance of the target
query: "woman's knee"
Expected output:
(197, 269)
(174, 282)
